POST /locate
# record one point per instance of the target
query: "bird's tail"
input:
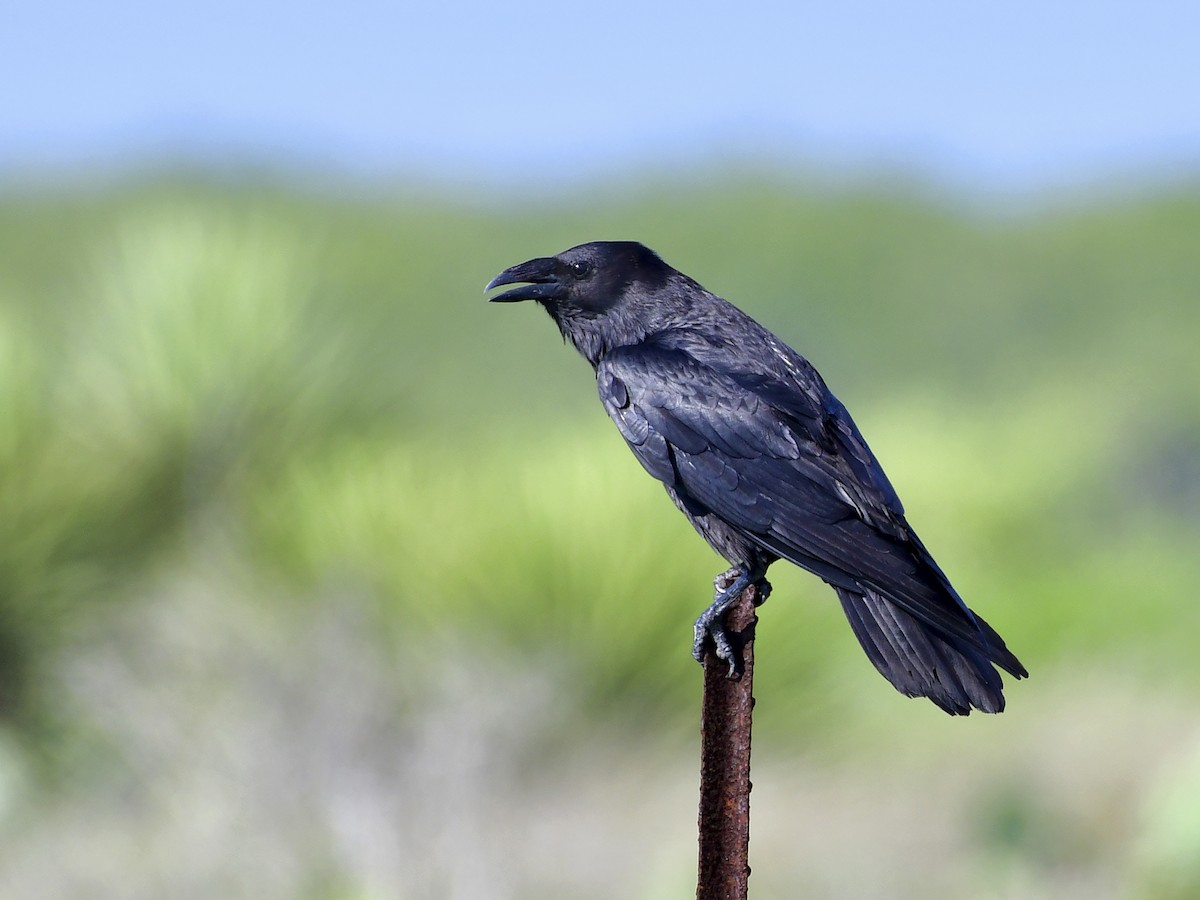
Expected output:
(921, 661)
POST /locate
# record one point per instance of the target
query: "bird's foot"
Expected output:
(728, 588)
(723, 581)
(711, 626)
(762, 592)
(726, 579)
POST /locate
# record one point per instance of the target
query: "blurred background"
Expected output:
(321, 578)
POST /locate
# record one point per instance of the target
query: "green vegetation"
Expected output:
(310, 391)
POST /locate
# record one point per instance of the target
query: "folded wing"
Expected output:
(782, 462)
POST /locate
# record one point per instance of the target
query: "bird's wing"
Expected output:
(788, 469)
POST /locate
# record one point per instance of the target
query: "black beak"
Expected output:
(538, 277)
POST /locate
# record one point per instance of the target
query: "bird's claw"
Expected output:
(720, 639)
(762, 592)
(728, 587)
(726, 579)
(723, 581)
(724, 650)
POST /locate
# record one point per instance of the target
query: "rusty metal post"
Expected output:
(725, 761)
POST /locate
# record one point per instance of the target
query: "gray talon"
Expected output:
(728, 587)
(722, 582)
(701, 634)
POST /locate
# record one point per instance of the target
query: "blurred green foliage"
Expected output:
(319, 378)
(313, 383)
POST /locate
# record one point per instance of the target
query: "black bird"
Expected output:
(764, 461)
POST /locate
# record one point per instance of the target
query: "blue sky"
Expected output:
(1017, 94)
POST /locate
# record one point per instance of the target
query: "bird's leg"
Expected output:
(763, 592)
(728, 587)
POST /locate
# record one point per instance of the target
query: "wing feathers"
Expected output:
(791, 472)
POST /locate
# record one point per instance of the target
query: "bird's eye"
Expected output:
(581, 269)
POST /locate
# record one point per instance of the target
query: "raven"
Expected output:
(765, 463)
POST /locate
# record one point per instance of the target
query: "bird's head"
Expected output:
(602, 294)
(589, 278)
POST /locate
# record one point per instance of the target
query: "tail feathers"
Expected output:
(998, 652)
(923, 662)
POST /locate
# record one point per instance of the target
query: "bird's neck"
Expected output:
(595, 335)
